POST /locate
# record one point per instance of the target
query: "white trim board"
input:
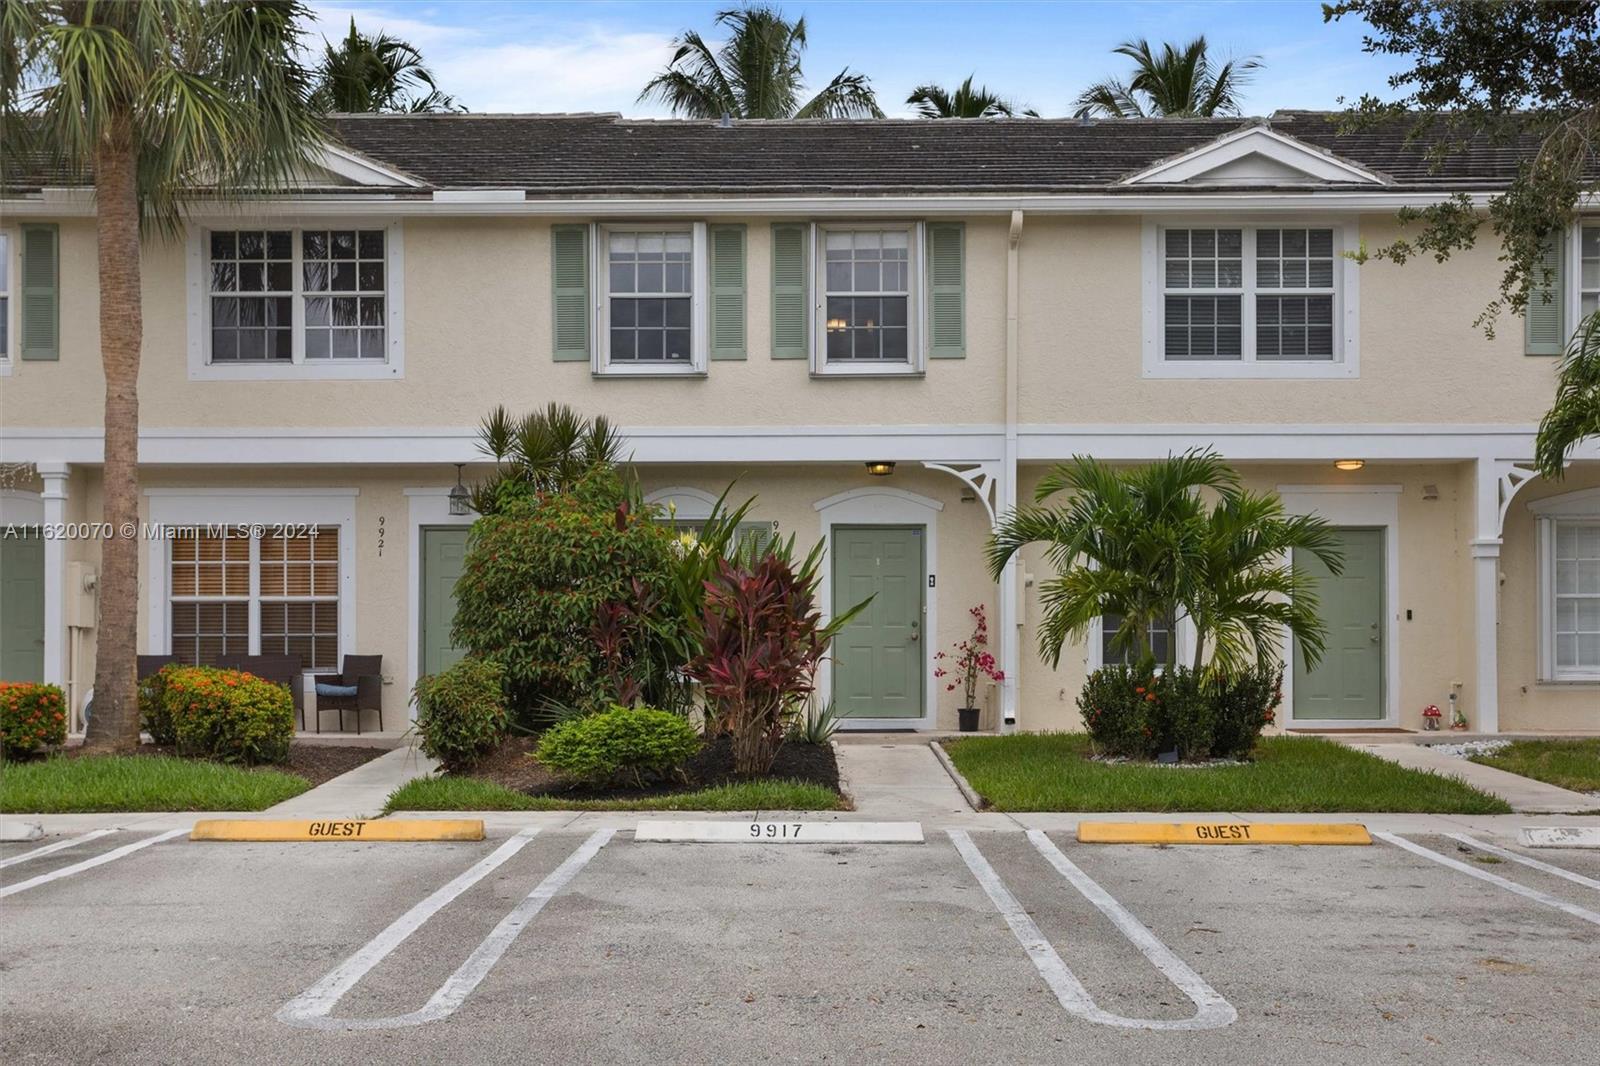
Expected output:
(426, 507)
(1369, 506)
(881, 505)
(1288, 159)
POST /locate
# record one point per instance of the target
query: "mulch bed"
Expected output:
(314, 762)
(513, 766)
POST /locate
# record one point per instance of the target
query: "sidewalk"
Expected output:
(1525, 795)
(895, 777)
(360, 793)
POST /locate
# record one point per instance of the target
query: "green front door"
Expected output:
(443, 550)
(879, 658)
(1347, 685)
(22, 607)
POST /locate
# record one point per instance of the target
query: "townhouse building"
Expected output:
(886, 331)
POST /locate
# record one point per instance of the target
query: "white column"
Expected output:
(1484, 701)
(54, 496)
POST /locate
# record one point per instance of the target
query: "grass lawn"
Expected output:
(473, 794)
(1573, 764)
(139, 783)
(1050, 772)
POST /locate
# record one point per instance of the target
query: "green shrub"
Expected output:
(543, 573)
(1131, 713)
(461, 712)
(229, 715)
(31, 717)
(640, 742)
(153, 715)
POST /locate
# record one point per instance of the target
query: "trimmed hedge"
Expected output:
(1137, 715)
(153, 715)
(461, 712)
(32, 716)
(228, 715)
(641, 742)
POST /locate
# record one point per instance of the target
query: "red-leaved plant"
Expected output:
(972, 658)
(762, 638)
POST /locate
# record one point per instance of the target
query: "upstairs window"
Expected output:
(651, 304)
(281, 302)
(869, 311)
(1588, 271)
(1248, 301)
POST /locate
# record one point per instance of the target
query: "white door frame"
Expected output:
(1358, 506)
(876, 505)
(426, 507)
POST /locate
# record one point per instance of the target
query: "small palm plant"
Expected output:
(1143, 544)
(543, 451)
(1174, 83)
(755, 74)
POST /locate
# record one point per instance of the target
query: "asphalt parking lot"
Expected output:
(988, 946)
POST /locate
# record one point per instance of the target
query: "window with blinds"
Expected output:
(210, 581)
(299, 594)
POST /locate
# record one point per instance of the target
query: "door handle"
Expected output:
(916, 630)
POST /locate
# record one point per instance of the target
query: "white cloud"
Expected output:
(517, 64)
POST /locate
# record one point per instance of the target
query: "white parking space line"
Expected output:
(311, 1009)
(1474, 842)
(1494, 879)
(1211, 1010)
(89, 864)
(50, 849)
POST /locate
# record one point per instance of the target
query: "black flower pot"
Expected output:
(969, 719)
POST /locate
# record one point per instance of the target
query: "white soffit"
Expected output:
(1255, 155)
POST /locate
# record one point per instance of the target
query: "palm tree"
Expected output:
(381, 73)
(934, 101)
(543, 451)
(1177, 83)
(755, 74)
(1244, 590)
(1142, 544)
(1124, 544)
(1575, 414)
(158, 101)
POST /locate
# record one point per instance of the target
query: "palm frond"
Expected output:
(1574, 415)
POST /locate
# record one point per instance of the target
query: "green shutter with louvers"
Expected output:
(41, 293)
(1545, 318)
(727, 292)
(569, 273)
(947, 297)
(791, 317)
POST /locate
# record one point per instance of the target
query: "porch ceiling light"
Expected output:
(460, 498)
(1349, 464)
(880, 468)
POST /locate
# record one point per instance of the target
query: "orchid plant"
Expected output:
(971, 658)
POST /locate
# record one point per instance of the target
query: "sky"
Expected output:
(529, 55)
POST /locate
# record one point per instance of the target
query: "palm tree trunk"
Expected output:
(115, 722)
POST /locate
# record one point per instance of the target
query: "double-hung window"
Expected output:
(287, 301)
(869, 280)
(1569, 586)
(1247, 301)
(652, 293)
(1588, 270)
(278, 591)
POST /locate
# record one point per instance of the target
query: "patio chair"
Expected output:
(357, 687)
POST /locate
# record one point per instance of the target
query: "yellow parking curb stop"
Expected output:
(1222, 833)
(341, 829)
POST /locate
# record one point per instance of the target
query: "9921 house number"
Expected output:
(775, 830)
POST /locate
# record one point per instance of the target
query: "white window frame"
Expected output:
(249, 507)
(916, 309)
(8, 323)
(1574, 259)
(1346, 305)
(1580, 506)
(600, 284)
(201, 368)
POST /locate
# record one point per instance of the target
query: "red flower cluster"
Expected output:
(972, 658)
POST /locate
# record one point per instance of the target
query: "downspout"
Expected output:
(1011, 588)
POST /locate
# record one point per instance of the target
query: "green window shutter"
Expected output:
(569, 273)
(1545, 318)
(791, 318)
(41, 293)
(947, 297)
(727, 292)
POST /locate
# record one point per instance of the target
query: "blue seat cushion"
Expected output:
(335, 690)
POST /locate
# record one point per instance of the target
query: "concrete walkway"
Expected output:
(361, 792)
(1525, 795)
(895, 776)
